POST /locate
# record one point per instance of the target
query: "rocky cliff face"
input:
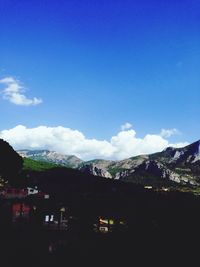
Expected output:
(179, 165)
(94, 170)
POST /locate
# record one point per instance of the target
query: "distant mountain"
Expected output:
(51, 157)
(97, 167)
(173, 165)
(179, 165)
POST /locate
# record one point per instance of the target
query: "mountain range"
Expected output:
(51, 157)
(176, 165)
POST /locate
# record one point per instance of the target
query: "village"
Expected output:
(34, 209)
(56, 225)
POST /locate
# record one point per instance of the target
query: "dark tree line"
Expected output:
(11, 163)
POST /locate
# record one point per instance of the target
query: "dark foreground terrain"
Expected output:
(77, 219)
(158, 228)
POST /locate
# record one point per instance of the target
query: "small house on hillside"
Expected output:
(108, 225)
(32, 191)
(56, 218)
(11, 193)
(20, 212)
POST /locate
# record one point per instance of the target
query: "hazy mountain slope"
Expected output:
(51, 157)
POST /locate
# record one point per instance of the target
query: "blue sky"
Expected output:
(98, 64)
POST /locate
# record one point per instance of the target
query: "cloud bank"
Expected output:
(123, 145)
(166, 133)
(126, 126)
(14, 93)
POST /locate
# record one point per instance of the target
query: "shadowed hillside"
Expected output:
(10, 163)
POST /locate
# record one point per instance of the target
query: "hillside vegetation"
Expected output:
(33, 165)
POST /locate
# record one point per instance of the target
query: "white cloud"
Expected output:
(166, 133)
(126, 126)
(14, 93)
(68, 141)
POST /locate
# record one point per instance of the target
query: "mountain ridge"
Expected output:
(51, 157)
(179, 165)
